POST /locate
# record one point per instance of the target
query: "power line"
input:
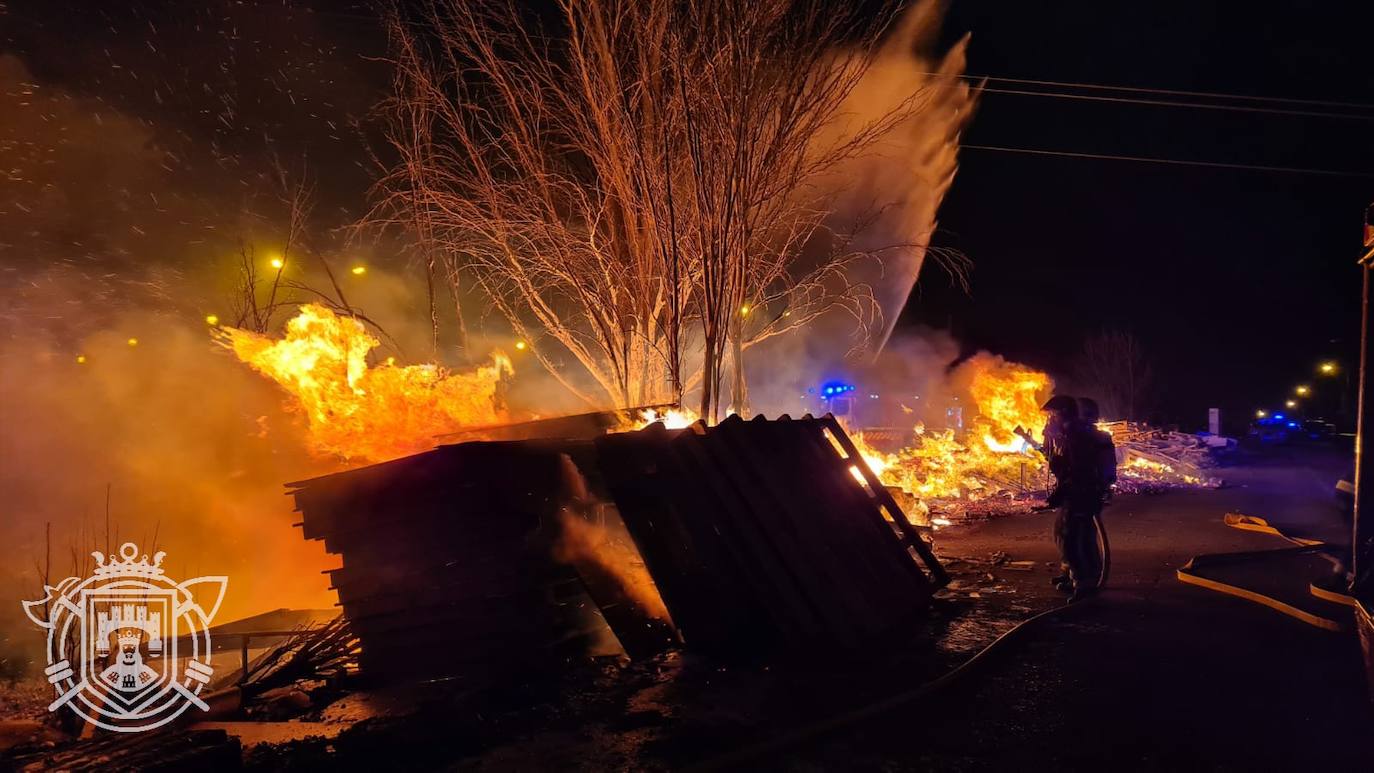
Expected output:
(1173, 103)
(1172, 92)
(1170, 161)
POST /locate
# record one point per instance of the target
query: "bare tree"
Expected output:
(635, 188)
(249, 309)
(1114, 366)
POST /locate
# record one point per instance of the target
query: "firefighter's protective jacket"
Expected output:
(1076, 460)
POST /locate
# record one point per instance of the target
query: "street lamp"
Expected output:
(1327, 368)
(1303, 391)
(1292, 403)
(1261, 414)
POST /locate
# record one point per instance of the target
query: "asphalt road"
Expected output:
(1155, 674)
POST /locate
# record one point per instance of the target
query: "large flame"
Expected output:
(357, 411)
(992, 457)
(1008, 397)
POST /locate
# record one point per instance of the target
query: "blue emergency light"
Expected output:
(835, 389)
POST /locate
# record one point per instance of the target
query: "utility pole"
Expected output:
(1361, 555)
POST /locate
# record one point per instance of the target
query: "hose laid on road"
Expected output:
(1255, 523)
(819, 728)
(1235, 520)
(831, 724)
(1104, 549)
(1187, 572)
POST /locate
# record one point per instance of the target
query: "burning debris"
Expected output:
(995, 463)
(356, 410)
(991, 458)
(1150, 459)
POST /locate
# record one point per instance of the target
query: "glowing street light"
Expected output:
(359, 270)
(133, 342)
(1261, 414)
(520, 345)
(1303, 391)
(744, 310)
(1327, 368)
(277, 263)
(80, 359)
(1292, 403)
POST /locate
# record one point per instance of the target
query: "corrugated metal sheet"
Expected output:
(761, 539)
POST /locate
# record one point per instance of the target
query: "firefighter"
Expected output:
(1089, 413)
(1074, 458)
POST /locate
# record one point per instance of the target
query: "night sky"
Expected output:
(1237, 282)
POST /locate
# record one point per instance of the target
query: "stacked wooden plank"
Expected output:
(761, 537)
(446, 567)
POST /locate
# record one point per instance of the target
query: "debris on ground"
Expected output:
(312, 653)
(211, 749)
(1150, 460)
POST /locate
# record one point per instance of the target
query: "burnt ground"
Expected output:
(677, 710)
(1154, 674)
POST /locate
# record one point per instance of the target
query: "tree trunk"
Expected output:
(739, 391)
(708, 379)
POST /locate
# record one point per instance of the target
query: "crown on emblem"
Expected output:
(126, 566)
(130, 637)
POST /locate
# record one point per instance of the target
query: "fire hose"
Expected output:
(764, 750)
(820, 728)
(1104, 549)
(1188, 573)
(1104, 545)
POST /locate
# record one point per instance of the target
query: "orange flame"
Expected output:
(1006, 396)
(672, 418)
(358, 411)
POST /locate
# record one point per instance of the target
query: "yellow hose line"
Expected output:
(1258, 598)
(1254, 523)
(1326, 594)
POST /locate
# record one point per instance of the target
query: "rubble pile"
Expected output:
(1151, 460)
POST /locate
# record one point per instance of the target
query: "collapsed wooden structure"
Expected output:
(762, 538)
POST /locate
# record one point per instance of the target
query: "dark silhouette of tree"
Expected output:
(1114, 368)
